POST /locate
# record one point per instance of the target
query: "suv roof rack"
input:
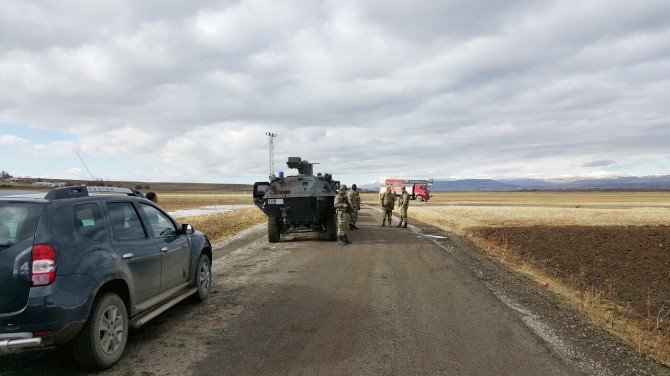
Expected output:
(85, 191)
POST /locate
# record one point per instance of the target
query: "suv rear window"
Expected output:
(18, 220)
(88, 221)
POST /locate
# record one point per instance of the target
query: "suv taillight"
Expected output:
(44, 265)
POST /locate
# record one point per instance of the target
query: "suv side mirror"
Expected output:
(187, 229)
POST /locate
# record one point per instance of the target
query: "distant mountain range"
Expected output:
(627, 182)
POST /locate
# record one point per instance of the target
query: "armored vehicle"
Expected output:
(298, 203)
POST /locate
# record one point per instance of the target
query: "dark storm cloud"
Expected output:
(421, 88)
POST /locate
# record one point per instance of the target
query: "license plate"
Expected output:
(276, 201)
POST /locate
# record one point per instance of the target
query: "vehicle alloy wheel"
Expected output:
(102, 340)
(203, 278)
(111, 331)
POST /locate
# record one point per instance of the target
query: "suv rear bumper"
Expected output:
(56, 313)
(18, 341)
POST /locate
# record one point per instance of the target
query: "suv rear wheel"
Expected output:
(102, 340)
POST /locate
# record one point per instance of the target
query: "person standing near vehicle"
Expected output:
(342, 208)
(388, 202)
(355, 200)
(403, 203)
(152, 197)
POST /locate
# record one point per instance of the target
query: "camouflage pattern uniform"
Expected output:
(342, 214)
(403, 202)
(388, 203)
(355, 200)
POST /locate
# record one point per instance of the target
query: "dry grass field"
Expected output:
(461, 218)
(544, 199)
(460, 211)
(606, 253)
(222, 225)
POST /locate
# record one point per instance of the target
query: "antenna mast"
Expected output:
(271, 154)
(84, 163)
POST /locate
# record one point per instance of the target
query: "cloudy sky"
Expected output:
(185, 90)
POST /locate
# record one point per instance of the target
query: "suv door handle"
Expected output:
(164, 250)
(126, 256)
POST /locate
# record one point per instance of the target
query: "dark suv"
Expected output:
(82, 264)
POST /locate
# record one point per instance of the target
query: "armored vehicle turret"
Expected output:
(298, 203)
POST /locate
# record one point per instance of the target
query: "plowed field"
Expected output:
(630, 265)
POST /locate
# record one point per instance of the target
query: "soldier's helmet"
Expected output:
(403, 188)
(353, 186)
(343, 187)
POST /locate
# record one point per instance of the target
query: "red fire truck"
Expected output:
(418, 189)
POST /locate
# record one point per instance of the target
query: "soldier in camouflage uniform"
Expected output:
(342, 208)
(355, 200)
(403, 203)
(388, 202)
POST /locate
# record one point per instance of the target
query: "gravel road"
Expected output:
(392, 303)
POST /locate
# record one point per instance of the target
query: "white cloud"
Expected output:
(14, 145)
(454, 88)
(8, 142)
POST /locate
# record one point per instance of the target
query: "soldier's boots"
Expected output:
(399, 225)
(404, 225)
(352, 226)
(341, 241)
(346, 239)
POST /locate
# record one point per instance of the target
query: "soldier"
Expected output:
(403, 202)
(355, 200)
(342, 208)
(388, 202)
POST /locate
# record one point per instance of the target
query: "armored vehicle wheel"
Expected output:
(331, 226)
(273, 230)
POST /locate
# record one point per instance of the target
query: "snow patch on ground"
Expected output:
(212, 209)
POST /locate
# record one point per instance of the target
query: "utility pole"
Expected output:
(271, 152)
